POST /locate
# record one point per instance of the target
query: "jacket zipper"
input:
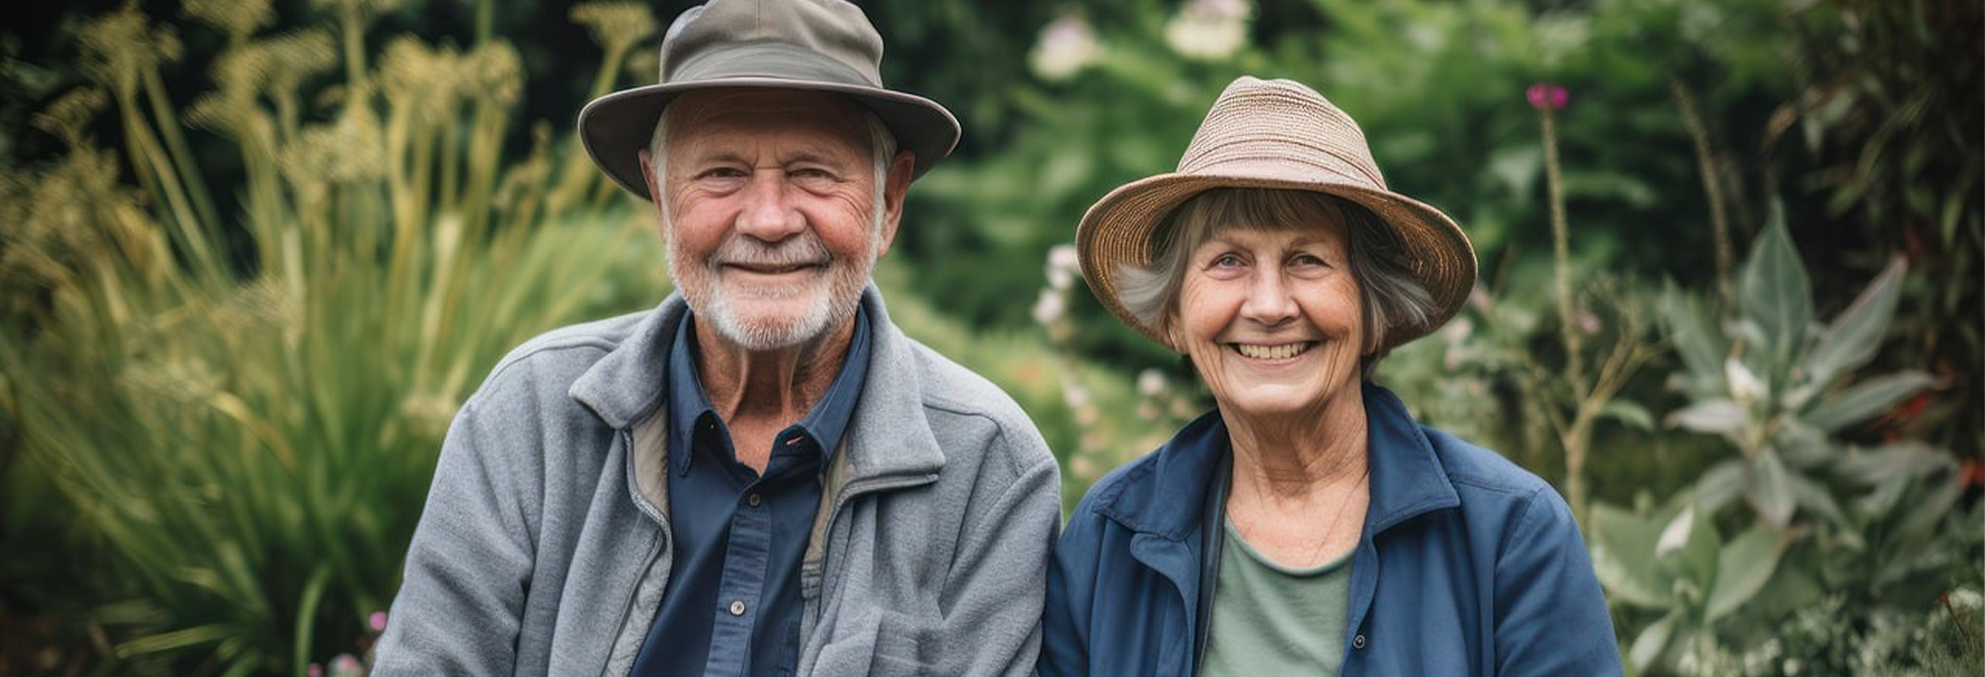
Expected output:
(654, 554)
(827, 571)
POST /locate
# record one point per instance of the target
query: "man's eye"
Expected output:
(811, 174)
(721, 173)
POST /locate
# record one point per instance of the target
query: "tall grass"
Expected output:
(243, 409)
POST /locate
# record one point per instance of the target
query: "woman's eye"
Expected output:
(1305, 260)
(1226, 261)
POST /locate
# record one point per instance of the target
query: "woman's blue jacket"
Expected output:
(1468, 564)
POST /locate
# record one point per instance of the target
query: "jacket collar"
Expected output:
(1407, 479)
(887, 435)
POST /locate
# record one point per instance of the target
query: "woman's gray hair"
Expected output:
(1390, 297)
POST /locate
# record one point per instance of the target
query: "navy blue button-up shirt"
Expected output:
(733, 601)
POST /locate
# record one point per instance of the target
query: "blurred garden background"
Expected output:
(255, 253)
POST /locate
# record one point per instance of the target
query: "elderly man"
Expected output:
(762, 476)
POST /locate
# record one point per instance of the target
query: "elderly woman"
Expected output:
(1308, 525)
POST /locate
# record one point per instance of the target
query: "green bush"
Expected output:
(244, 420)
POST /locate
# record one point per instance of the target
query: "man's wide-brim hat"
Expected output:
(815, 45)
(1274, 134)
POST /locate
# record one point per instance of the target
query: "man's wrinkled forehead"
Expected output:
(770, 109)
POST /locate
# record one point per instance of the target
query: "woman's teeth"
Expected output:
(1281, 352)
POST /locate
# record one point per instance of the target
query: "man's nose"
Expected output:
(769, 214)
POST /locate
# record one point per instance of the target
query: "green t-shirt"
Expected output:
(1269, 619)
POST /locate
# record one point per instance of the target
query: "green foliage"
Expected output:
(248, 443)
(1859, 528)
(1772, 388)
(1888, 96)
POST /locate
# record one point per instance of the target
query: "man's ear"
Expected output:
(653, 182)
(901, 170)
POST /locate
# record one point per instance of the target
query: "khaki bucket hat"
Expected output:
(817, 45)
(1274, 134)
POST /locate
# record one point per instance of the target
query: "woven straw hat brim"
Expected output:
(616, 127)
(1117, 230)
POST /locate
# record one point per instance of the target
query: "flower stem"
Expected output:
(1561, 250)
(1711, 186)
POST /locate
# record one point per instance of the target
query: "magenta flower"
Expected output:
(1544, 96)
(377, 620)
(314, 670)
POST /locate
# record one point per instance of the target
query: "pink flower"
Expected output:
(377, 620)
(1544, 96)
(315, 670)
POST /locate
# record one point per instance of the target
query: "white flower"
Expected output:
(1076, 395)
(1067, 46)
(1209, 30)
(1676, 534)
(1049, 307)
(1062, 266)
(1062, 256)
(1151, 382)
(1745, 386)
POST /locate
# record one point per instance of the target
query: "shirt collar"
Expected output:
(1407, 478)
(688, 404)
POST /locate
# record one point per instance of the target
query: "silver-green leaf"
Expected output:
(1856, 334)
(1776, 293)
(1865, 400)
(1742, 570)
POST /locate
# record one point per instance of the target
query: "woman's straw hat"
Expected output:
(1274, 134)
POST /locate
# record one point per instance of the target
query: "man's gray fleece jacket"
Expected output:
(544, 548)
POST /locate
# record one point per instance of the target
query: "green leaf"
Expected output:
(1651, 642)
(1702, 351)
(1688, 546)
(1925, 513)
(1717, 416)
(1776, 293)
(1623, 557)
(306, 617)
(1854, 336)
(1813, 496)
(1801, 445)
(177, 639)
(1770, 490)
(1865, 400)
(1629, 413)
(1742, 569)
(1719, 485)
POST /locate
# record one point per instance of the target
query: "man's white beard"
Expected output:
(721, 308)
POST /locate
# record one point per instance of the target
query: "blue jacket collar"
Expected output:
(1165, 497)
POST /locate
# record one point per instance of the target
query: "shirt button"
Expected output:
(1357, 642)
(753, 499)
(737, 609)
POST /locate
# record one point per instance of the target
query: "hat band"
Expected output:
(767, 60)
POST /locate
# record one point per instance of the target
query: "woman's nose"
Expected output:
(1269, 299)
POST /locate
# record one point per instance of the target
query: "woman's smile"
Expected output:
(1272, 352)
